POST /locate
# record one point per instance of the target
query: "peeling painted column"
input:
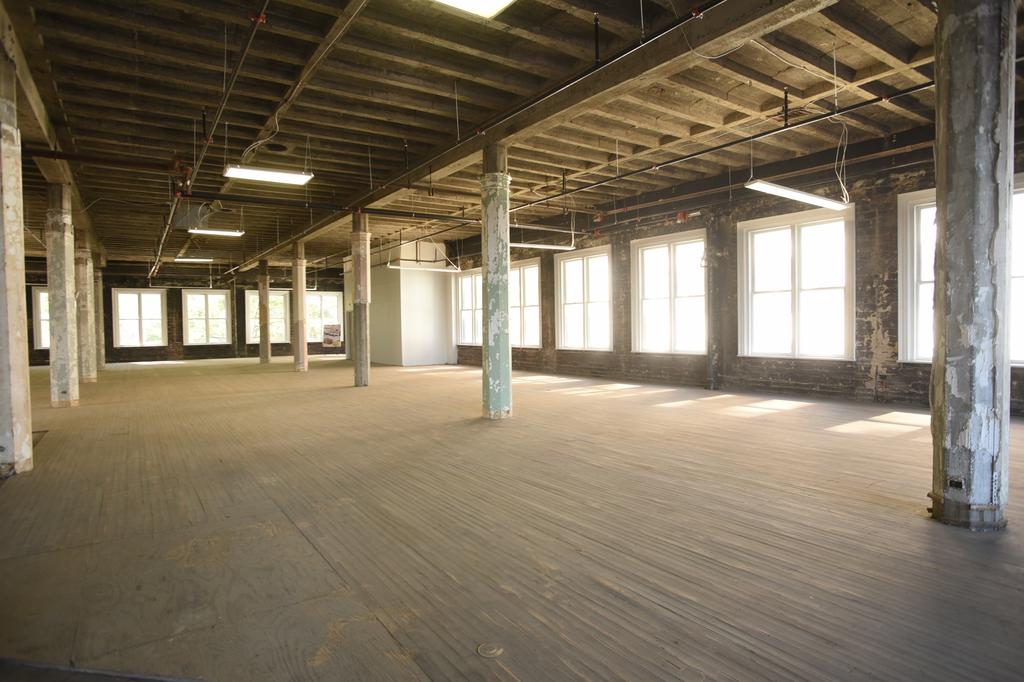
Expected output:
(970, 389)
(263, 291)
(101, 340)
(497, 346)
(86, 315)
(299, 349)
(15, 403)
(360, 336)
(60, 277)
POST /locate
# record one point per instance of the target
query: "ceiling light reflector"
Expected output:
(215, 232)
(284, 177)
(546, 247)
(795, 195)
(193, 260)
(482, 8)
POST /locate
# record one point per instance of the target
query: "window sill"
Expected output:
(586, 350)
(684, 353)
(802, 358)
(201, 345)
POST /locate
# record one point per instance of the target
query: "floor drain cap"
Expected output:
(490, 650)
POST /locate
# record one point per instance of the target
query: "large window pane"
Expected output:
(772, 322)
(195, 305)
(217, 306)
(925, 331)
(478, 325)
(572, 281)
(531, 326)
(218, 331)
(128, 332)
(598, 326)
(197, 331)
(152, 333)
(572, 325)
(926, 236)
(823, 255)
(152, 306)
(655, 325)
(514, 291)
(466, 326)
(466, 294)
(690, 325)
(773, 260)
(822, 323)
(44, 334)
(654, 266)
(690, 269)
(531, 285)
(598, 288)
(515, 326)
(128, 307)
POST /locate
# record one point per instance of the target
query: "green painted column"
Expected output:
(60, 278)
(300, 353)
(497, 347)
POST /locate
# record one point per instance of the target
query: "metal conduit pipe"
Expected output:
(726, 145)
(257, 20)
(425, 165)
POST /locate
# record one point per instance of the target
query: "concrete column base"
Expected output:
(971, 516)
(495, 415)
(88, 380)
(63, 403)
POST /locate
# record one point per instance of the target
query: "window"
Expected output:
(668, 294)
(583, 286)
(206, 317)
(41, 317)
(278, 317)
(471, 312)
(141, 317)
(523, 305)
(918, 234)
(796, 285)
(322, 307)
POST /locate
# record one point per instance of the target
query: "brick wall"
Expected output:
(875, 374)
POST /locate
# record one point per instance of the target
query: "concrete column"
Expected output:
(299, 349)
(497, 346)
(970, 389)
(15, 405)
(101, 338)
(85, 298)
(60, 277)
(263, 288)
(360, 333)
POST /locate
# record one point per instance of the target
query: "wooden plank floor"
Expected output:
(228, 521)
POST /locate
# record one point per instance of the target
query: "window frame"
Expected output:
(37, 321)
(584, 254)
(908, 270)
(795, 221)
(339, 296)
(256, 313)
(116, 319)
(185, 318)
(472, 275)
(636, 246)
(516, 265)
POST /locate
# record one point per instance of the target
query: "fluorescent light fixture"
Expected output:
(546, 247)
(423, 267)
(284, 177)
(482, 8)
(193, 260)
(215, 233)
(795, 194)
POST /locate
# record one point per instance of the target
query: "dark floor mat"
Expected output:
(27, 671)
